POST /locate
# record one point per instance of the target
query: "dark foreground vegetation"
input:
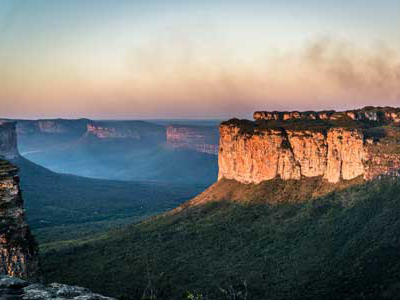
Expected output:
(344, 245)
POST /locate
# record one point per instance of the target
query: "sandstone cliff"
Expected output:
(199, 138)
(8, 140)
(290, 146)
(18, 253)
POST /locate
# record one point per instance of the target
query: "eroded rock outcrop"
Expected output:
(18, 251)
(15, 288)
(316, 145)
(199, 138)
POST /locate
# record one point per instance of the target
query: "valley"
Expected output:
(199, 150)
(283, 236)
(305, 207)
(115, 150)
(340, 246)
(62, 207)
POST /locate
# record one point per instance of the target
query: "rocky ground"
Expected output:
(12, 288)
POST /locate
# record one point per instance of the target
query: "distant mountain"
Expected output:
(203, 139)
(117, 150)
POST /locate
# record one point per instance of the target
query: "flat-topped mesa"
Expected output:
(129, 130)
(252, 152)
(18, 251)
(369, 113)
(107, 132)
(202, 139)
(8, 140)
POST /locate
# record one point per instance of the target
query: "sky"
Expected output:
(130, 59)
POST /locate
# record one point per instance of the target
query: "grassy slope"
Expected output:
(63, 207)
(341, 246)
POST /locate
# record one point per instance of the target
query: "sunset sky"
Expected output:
(195, 59)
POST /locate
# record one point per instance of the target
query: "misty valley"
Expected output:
(292, 205)
(199, 150)
(123, 150)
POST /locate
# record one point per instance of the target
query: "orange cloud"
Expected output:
(174, 78)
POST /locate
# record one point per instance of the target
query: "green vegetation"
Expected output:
(255, 127)
(344, 245)
(62, 207)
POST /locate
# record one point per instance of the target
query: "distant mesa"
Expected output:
(107, 132)
(129, 130)
(198, 138)
(52, 126)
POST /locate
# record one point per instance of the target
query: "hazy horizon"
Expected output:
(209, 59)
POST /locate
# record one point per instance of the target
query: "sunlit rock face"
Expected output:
(290, 154)
(198, 138)
(334, 146)
(346, 154)
(8, 140)
(18, 252)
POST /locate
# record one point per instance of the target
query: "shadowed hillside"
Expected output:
(344, 245)
(61, 207)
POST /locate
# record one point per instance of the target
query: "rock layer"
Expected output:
(18, 252)
(290, 154)
(252, 152)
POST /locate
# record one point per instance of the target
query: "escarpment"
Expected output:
(332, 145)
(18, 251)
(198, 138)
(129, 130)
(8, 140)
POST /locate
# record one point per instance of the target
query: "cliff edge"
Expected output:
(18, 250)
